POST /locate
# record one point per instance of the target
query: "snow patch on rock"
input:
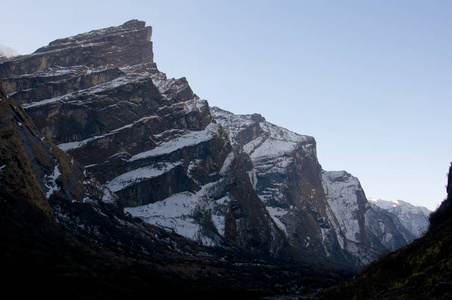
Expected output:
(50, 182)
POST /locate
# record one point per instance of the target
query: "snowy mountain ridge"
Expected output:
(414, 218)
(388, 204)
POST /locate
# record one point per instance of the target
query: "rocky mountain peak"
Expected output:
(257, 117)
(342, 176)
(120, 46)
(413, 218)
(133, 31)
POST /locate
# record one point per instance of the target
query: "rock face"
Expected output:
(214, 177)
(35, 168)
(150, 139)
(326, 213)
(59, 226)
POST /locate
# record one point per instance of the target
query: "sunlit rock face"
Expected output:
(214, 177)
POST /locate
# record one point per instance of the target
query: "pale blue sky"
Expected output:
(370, 80)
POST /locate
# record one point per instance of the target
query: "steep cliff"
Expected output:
(322, 212)
(34, 168)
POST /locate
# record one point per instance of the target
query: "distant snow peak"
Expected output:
(413, 218)
(7, 51)
(385, 204)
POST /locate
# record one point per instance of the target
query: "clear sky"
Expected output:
(370, 80)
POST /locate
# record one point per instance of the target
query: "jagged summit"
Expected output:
(121, 46)
(132, 32)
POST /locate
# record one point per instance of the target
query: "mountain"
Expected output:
(65, 235)
(421, 270)
(197, 175)
(414, 218)
(7, 52)
(149, 139)
(36, 169)
(325, 212)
